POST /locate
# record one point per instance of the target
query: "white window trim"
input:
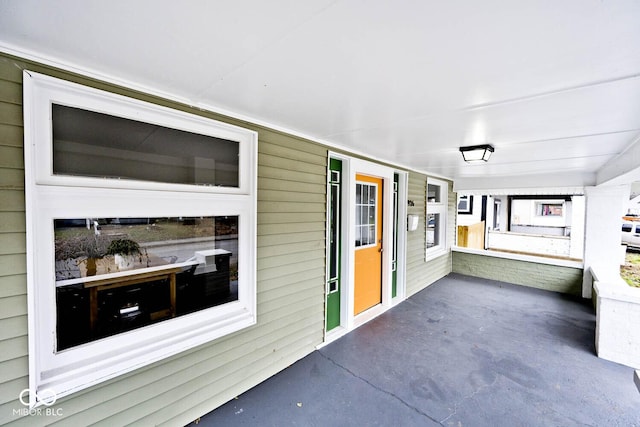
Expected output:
(49, 196)
(437, 208)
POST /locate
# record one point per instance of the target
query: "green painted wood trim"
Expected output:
(394, 274)
(333, 298)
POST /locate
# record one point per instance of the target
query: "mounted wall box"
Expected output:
(412, 222)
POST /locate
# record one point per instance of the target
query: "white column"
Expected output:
(605, 206)
(576, 249)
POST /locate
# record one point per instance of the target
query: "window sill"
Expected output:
(430, 256)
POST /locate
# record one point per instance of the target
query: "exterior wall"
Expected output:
(13, 300)
(543, 276)
(605, 206)
(175, 391)
(291, 268)
(530, 243)
(617, 312)
(524, 212)
(421, 273)
(476, 212)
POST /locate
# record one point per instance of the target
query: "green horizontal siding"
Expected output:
(421, 273)
(175, 391)
(12, 348)
(12, 285)
(566, 280)
(291, 269)
(11, 135)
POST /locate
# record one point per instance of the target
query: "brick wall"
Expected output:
(542, 276)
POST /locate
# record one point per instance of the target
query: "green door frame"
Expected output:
(394, 257)
(334, 188)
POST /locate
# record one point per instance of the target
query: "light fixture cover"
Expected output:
(476, 153)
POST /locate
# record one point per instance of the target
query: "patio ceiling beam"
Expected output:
(622, 169)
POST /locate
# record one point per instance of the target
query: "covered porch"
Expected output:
(464, 351)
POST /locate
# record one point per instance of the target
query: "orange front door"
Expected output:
(368, 256)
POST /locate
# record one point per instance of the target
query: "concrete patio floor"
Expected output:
(463, 352)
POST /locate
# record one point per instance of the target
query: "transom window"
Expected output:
(141, 232)
(91, 144)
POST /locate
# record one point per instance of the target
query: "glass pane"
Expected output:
(104, 283)
(372, 234)
(433, 230)
(90, 144)
(358, 194)
(333, 254)
(433, 193)
(372, 215)
(358, 215)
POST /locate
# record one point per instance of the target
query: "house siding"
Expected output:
(555, 278)
(13, 300)
(290, 290)
(422, 273)
(291, 219)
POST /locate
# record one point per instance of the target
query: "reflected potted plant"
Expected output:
(79, 252)
(124, 252)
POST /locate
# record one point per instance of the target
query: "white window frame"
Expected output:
(49, 196)
(437, 208)
(539, 206)
(377, 207)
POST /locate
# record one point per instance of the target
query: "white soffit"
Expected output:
(554, 86)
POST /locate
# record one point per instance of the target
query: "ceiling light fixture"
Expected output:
(476, 153)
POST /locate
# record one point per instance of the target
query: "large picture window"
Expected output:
(140, 232)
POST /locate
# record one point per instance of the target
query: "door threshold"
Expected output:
(359, 320)
(369, 314)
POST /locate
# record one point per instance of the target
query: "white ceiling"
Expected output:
(553, 85)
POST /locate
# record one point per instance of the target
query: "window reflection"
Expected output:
(118, 274)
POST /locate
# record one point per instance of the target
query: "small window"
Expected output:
(141, 232)
(627, 228)
(366, 206)
(549, 209)
(465, 205)
(437, 196)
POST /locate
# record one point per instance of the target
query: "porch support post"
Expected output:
(605, 206)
